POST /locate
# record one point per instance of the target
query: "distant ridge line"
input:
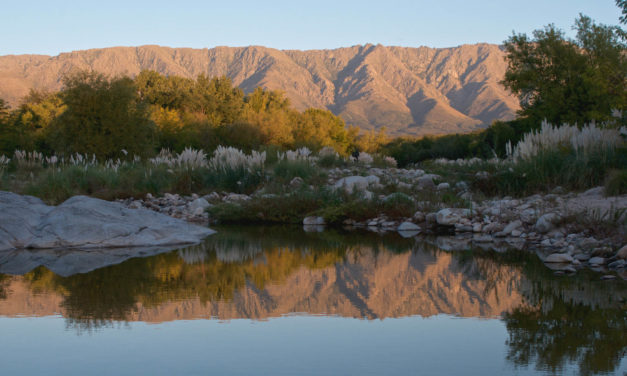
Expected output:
(409, 91)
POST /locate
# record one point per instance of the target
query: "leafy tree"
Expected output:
(568, 80)
(103, 117)
(270, 112)
(33, 117)
(172, 92)
(217, 99)
(317, 128)
(623, 4)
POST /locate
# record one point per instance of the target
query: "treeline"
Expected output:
(108, 117)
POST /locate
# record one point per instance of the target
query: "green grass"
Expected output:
(130, 180)
(616, 183)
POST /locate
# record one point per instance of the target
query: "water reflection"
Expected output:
(268, 272)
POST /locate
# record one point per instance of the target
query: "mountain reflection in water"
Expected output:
(262, 272)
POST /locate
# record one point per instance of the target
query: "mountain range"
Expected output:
(409, 91)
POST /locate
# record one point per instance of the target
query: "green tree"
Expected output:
(103, 117)
(33, 117)
(217, 99)
(623, 5)
(171, 92)
(568, 80)
(317, 128)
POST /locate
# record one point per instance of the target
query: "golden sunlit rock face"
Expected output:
(364, 284)
(410, 91)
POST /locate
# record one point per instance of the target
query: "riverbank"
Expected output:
(568, 230)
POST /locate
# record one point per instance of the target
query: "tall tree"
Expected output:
(623, 5)
(568, 80)
(103, 117)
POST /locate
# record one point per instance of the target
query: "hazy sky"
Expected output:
(50, 27)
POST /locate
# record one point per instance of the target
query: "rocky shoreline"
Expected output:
(561, 227)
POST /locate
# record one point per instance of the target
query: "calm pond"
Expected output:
(281, 301)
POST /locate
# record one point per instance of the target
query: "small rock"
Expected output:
(602, 251)
(425, 182)
(596, 261)
(492, 227)
(582, 256)
(558, 190)
(136, 204)
(462, 228)
(546, 243)
(431, 218)
(511, 227)
(313, 221)
(608, 277)
(461, 185)
(622, 253)
(388, 224)
(199, 204)
(419, 216)
(236, 197)
(616, 264)
(451, 216)
(297, 182)
(558, 258)
(546, 222)
(408, 226)
(443, 186)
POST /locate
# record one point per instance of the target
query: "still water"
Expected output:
(280, 301)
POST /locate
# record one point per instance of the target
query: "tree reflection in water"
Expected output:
(556, 321)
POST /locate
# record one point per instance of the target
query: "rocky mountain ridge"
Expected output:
(410, 91)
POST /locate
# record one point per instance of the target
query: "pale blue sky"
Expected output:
(51, 27)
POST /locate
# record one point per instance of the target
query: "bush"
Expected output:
(102, 117)
(289, 169)
(616, 183)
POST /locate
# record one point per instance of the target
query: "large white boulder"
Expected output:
(85, 222)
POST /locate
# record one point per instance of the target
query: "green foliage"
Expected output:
(565, 80)
(291, 208)
(317, 128)
(286, 170)
(616, 183)
(552, 168)
(103, 117)
(97, 115)
(450, 147)
(623, 5)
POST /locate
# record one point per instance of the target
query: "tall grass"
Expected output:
(567, 156)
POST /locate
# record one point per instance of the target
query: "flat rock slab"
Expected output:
(85, 222)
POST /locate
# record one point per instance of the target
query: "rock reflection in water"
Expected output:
(268, 272)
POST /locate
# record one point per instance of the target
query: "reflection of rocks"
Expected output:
(71, 261)
(25, 222)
